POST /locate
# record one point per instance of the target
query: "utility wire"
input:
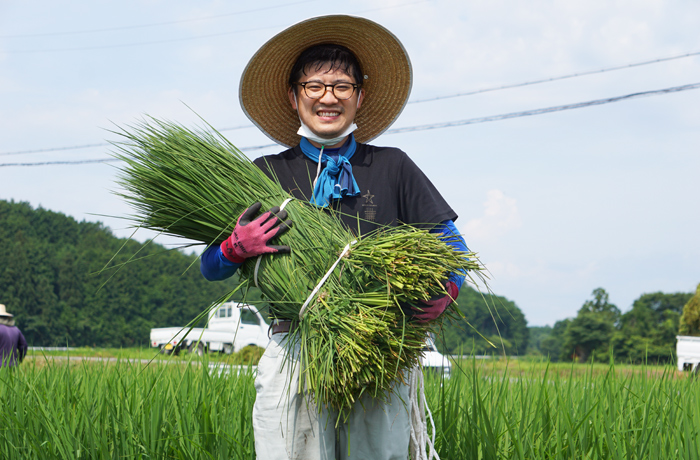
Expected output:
(448, 124)
(111, 160)
(547, 80)
(102, 144)
(155, 24)
(172, 40)
(516, 85)
(541, 111)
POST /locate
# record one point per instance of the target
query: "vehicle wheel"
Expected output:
(166, 350)
(196, 348)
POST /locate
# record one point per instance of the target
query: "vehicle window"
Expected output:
(249, 317)
(221, 313)
(229, 312)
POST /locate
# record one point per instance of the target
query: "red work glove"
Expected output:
(431, 309)
(250, 237)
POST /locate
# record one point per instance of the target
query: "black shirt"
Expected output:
(393, 189)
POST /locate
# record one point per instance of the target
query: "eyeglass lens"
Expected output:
(316, 90)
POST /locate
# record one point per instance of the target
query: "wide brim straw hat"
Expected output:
(385, 66)
(3, 311)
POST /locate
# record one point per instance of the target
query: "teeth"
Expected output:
(328, 114)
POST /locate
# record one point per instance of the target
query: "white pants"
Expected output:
(287, 425)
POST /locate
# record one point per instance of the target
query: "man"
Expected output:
(13, 347)
(324, 87)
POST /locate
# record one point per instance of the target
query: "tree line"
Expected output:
(644, 334)
(72, 283)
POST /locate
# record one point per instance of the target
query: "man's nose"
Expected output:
(328, 96)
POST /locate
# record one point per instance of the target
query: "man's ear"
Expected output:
(360, 98)
(292, 97)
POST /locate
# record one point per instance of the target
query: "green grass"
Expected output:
(491, 409)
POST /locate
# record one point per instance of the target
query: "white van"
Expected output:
(433, 360)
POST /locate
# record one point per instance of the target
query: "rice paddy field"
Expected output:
(179, 408)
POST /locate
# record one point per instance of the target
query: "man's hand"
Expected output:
(431, 309)
(250, 237)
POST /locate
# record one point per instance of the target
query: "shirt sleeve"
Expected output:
(420, 202)
(452, 237)
(214, 266)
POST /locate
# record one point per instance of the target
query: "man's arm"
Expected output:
(428, 310)
(452, 237)
(21, 346)
(214, 266)
(250, 238)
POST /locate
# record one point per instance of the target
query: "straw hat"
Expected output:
(3, 311)
(384, 61)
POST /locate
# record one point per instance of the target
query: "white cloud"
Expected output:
(500, 217)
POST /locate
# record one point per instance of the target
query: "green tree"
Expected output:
(536, 335)
(589, 334)
(496, 318)
(647, 332)
(690, 320)
(552, 346)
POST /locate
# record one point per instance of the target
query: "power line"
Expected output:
(172, 40)
(53, 149)
(515, 85)
(547, 80)
(47, 163)
(541, 111)
(155, 24)
(448, 124)
(110, 160)
(102, 144)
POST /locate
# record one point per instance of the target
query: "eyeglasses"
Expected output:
(316, 90)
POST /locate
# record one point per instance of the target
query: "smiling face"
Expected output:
(327, 117)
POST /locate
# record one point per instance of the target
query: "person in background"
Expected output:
(13, 347)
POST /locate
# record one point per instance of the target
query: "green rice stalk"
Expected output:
(354, 337)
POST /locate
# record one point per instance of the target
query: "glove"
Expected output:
(431, 309)
(250, 237)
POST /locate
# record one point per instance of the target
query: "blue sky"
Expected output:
(555, 204)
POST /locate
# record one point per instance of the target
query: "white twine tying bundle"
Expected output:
(257, 262)
(422, 446)
(325, 277)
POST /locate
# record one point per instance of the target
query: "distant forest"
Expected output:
(72, 283)
(53, 279)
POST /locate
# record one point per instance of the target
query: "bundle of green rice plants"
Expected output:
(353, 334)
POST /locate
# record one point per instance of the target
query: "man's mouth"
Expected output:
(328, 114)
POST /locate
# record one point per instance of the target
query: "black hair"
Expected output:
(315, 57)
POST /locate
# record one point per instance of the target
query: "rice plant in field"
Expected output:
(187, 411)
(544, 415)
(106, 410)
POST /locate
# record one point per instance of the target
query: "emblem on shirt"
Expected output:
(370, 209)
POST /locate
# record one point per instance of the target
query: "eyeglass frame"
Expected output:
(355, 86)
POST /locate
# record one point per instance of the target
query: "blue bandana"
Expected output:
(335, 180)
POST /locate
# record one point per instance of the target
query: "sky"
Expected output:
(556, 204)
